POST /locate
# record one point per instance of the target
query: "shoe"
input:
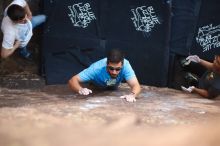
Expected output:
(184, 62)
(192, 79)
(28, 58)
(25, 54)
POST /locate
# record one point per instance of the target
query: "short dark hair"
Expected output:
(16, 12)
(115, 56)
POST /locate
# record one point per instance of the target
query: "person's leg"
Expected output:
(191, 79)
(24, 52)
(37, 20)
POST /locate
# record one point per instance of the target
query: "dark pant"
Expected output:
(35, 21)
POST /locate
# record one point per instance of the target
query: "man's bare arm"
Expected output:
(74, 83)
(206, 64)
(7, 52)
(202, 92)
(28, 11)
(134, 85)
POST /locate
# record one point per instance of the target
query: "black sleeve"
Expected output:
(213, 92)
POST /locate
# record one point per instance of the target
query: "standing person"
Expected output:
(108, 73)
(17, 26)
(209, 84)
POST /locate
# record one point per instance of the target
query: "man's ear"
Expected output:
(122, 62)
(218, 59)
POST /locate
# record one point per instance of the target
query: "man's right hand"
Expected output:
(85, 91)
(193, 58)
(6, 52)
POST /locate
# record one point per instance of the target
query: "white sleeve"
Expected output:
(9, 34)
(19, 2)
(8, 41)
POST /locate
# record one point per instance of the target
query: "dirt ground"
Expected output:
(54, 116)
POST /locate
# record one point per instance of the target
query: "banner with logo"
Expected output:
(79, 33)
(206, 42)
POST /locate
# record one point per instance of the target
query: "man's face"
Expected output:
(114, 69)
(216, 64)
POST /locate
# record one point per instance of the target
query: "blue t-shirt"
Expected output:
(97, 74)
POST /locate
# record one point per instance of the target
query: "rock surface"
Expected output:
(53, 115)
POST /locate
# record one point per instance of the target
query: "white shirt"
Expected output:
(15, 31)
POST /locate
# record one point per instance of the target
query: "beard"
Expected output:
(113, 76)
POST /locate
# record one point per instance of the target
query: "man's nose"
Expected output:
(114, 72)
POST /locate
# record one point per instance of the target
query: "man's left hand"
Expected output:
(29, 17)
(129, 97)
(190, 89)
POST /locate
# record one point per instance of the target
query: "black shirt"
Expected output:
(210, 81)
